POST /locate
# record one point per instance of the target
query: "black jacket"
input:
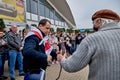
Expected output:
(34, 54)
(3, 49)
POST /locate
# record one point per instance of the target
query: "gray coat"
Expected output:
(14, 41)
(101, 51)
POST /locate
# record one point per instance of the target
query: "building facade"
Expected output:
(57, 11)
(39, 9)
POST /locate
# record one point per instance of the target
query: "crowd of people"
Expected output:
(11, 49)
(33, 49)
(14, 48)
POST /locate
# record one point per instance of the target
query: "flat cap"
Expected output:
(106, 13)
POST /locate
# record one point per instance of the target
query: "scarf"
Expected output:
(44, 40)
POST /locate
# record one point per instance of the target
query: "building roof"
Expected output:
(63, 9)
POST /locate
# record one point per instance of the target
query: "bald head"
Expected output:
(14, 28)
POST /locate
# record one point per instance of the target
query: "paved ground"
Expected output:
(52, 73)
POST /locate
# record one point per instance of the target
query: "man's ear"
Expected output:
(40, 26)
(99, 23)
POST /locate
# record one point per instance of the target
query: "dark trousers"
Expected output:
(2, 62)
(54, 55)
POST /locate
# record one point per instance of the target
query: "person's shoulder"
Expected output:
(93, 36)
(10, 33)
(32, 37)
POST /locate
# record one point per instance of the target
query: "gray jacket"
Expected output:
(14, 41)
(101, 51)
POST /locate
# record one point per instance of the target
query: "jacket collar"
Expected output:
(41, 32)
(110, 26)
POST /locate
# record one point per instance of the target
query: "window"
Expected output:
(41, 1)
(47, 11)
(41, 10)
(51, 12)
(28, 5)
(34, 6)
(55, 16)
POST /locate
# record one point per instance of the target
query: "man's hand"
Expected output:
(21, 48)
(49, 58)
(60, 56)
(4, 43)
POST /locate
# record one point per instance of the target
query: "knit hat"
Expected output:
(105, 13)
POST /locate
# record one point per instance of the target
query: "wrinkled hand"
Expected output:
(60, 56)
(49, 58)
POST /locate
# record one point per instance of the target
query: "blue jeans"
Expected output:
(2, 62)
(13, 56)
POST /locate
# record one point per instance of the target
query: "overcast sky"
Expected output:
(83, 9)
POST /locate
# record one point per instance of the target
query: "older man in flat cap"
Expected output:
(99, 50)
